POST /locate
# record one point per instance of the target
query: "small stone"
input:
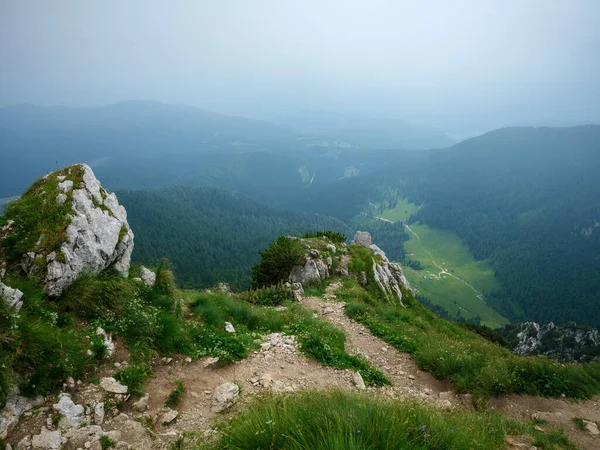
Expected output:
(47, 439)
(169, 416)
(592, 428)
(225, 395)
(229, 327)
(411, 377)
(142, 404)
(266, 380)
(210, 361)
(109, 384)
(358, 381)
(147, 276)
(188, 360)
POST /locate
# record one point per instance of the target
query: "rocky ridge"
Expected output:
(90, 232)
(566, 343)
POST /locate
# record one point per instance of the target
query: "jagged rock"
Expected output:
(296, 289)
(109, 384)
(566, 343)
(107, 341)
(388, 276)
(225, 395)
(47, 439)
(332, 248)
(323, 269)
(307, 274)
(72, 414)
(211, 361)
(15, 406)
(362, 238)
(229, 327)
(12, 297)
(24, 443)
(97, 236)
(169, 416)
(358, 381)
(78, 437)
(147, 276)
(223, 288)
(142, 404)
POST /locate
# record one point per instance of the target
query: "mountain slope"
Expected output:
(210, 235)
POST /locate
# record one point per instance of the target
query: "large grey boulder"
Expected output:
(362, 238)
(306, 274)
(98, 235)
(147, 276)
(224, 396)
(73, 415)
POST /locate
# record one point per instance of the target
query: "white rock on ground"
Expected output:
(229, 327)
(47, 439)
(15, 406)
(225, 395)
(358, 381)
(169, 416)
(12, 297)
(147, 276)
(142, 404)
(109, 384)
(73, 415)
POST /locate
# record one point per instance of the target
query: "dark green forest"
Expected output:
(210, 235)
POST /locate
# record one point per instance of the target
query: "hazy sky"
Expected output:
(459, 65)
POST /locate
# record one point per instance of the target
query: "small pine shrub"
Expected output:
(106, 443)
(277, 262)
(176, 395)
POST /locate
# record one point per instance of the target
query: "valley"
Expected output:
(449, 276)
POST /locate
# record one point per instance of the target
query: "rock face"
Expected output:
(15, 406)
(147, 276)
(389, 276)
(566, 343)
(97, 236)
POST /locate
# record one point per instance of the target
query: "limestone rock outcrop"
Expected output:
(91, 233)
(568, 342)
(388, 275)
(12, 297)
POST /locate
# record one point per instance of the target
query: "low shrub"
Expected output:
(176, 395)
(134, 377)
(333, 236)
(268, 296)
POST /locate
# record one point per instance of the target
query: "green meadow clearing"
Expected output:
(451, 277)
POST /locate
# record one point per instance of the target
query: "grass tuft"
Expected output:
(176, 395)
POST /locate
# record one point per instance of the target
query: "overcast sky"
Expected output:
(458, 65)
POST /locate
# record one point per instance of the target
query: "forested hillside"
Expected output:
(210, 235)
(526, 198)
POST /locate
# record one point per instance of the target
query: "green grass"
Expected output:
(176, 395)
(317, 339)
(470, 362)
(316, 420)
(401, 212)
(106, 443)
(458, 290)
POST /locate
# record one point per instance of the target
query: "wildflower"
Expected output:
(452, 430)
(357, 431)
(423, 429)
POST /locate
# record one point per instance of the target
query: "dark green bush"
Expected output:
(135, 377)
(268, 296)
(277, 262)
(176, 395)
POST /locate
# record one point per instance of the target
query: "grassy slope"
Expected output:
(436, 249)
(470, 362)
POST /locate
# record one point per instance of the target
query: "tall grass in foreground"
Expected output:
(346, 421)
(468, 361)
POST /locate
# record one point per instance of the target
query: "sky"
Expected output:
(462, 66)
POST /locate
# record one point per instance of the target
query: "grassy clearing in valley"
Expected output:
(441, 251)
(345, 421)
(470, 362)
(401, 212)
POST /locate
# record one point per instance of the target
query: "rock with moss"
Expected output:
(12, 297)
(66, 223)
(388, 275)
